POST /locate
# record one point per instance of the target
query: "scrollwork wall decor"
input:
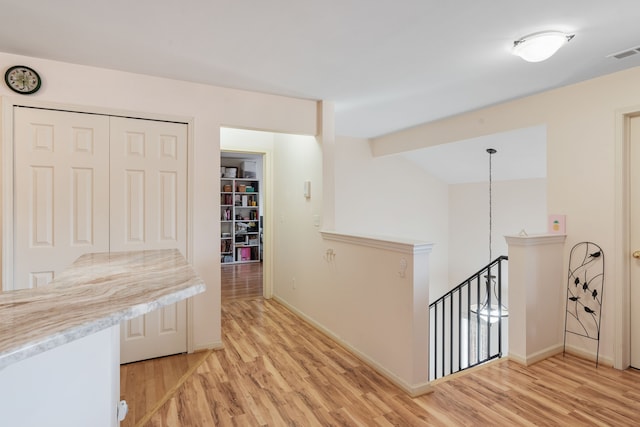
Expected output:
(585, 285)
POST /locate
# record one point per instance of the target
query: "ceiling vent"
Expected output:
(625, 53)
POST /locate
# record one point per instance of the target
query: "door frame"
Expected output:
(267, 197)
(7, 185)
(622, 264)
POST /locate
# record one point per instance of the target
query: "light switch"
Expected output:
(307, 189)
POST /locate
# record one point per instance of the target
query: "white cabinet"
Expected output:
(241, 237)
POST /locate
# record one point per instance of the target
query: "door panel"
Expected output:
(148, 211)
(92, 183)
(60, 179)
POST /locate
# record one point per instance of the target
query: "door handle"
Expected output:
(636, 254)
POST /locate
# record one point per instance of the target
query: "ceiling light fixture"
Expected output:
(540, 46)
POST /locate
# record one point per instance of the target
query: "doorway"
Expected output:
(242, 201)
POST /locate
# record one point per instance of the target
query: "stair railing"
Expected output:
(465, 325)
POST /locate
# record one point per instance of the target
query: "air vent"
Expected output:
(625, 53)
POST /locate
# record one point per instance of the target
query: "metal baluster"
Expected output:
(459, 329)
(451, 334)
(435, 342)
(468, 286)
(500, 308)
(477, 318)
(443, 338)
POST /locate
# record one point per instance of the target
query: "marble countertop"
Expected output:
(98, 291)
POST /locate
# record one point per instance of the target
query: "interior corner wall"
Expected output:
(391, 196)
(298, 252)
(517, 205)
(209, 108)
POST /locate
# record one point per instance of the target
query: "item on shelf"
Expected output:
(249, 189)
(248, 169)
(222, 170)
(227, 188)
(230, 172)
(242, 188)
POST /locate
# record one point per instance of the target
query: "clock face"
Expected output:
(22, 79)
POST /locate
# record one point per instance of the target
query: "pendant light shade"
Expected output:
(540, 46)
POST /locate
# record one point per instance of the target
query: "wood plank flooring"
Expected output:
(276, 370)
(241, 281)
(148, 384)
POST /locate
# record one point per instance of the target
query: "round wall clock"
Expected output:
(22, 79)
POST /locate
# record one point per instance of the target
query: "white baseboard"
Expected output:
(530, 359)
(553, 350)
(582, 353)
(412, 390)
(208, 346)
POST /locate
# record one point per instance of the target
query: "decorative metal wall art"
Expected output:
(585, 284)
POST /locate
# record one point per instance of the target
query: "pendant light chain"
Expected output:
(491, 152)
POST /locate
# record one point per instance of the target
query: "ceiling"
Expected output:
(387, 65)
(520, 154)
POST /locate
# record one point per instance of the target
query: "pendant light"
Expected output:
(493, 313)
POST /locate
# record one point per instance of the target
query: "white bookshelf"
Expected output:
(240, 238)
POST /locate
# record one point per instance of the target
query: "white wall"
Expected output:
(209, 108)
(390, 196)
(297, 221)
(517, 205)
(585, 174)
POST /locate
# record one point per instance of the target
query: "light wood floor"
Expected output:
(276, 370)
(241, 281)
(148, 384)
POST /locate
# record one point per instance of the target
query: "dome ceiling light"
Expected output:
(540, 46)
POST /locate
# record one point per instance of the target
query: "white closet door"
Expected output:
(148, 211)
(61, 179)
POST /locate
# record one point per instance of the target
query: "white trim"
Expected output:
(218, 345)
(117, 112)
(581, 353)
(7, 194)
(407, 246)
(537, 356)
(535, 240)
(268, 221)
(413, 390)
(268, 224)
(190, 197)
(621, 273)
